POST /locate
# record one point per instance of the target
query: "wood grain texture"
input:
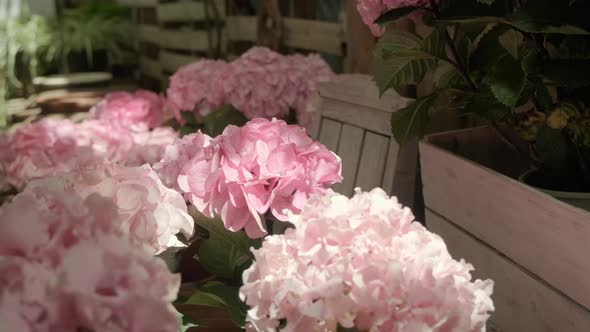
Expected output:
(138, 3)
(357, 89)
(181, 39)
(327, 37)
(522, 302)
(148, 33)
(349, 149)
(241, 28)
(360, 41)
(171, 61)
(150, 67)
(372, 163)
(330, 133)
(361, 116)
(188, 11)
(545, 236)
(390, 166)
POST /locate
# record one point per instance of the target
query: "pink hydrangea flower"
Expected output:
(149, 212)
(68, 263)
(370, 10)
(362, 262)
(261, 84)
(262, 166)
(191, 88)
(54, 146)
(140, 110)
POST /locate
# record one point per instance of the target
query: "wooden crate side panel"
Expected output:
(150, 67)
(327, 37)
(171, 61)
(390, 165)
(148, 33)
(522, 302)
(330, 133)
(138, 3)
(546, 236)
(356, 115)
(372, 163)
(188, 11)
(187, 40)
(349, 149)
(241, 28)
(357, 89)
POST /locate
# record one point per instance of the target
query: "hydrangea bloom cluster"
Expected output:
(370, 10)
(140, 110)
(66, 264)
(261, 84)
(54, 146)
(247, 171)
(363, 263)
(149, 212)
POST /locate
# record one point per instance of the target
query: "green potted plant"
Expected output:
(520, 68)
(521, 65)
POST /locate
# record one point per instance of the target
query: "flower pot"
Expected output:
(534, 179)
(532, 245)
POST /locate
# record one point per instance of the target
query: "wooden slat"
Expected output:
(188, 11)
(404, 181)
(241, 28)
(390, 166)
(149, 33)
(150, 67)
(356, 115)
(330, 133)
(349, 150)
(372, 164)
(191, 40)
(522, 302)
(171, 61)
(361, 90)
(138, 3)
(546, 236)
(313, 35)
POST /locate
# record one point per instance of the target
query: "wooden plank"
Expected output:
(372, 163)
(361, 90)
(390, 166)
(138, 3)
(171, 61)
(349, 150)
(241, 28)
(360, 42)
(522, 302)
(189, 40)
(150, 67)
(148, 33)
(330, 133)
(327, 37)
(356, 115)
(188, 11)
(404, 181)
(546, 236)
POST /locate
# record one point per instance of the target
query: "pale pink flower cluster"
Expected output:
(140, 110)
(66, 264)
(362, 262)
(247, 171)
(261, 84)
(54, 146)
(146, 209)
(370, 10)
(192, 89)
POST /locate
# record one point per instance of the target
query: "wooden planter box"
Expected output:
(354, 122)
(533, 246)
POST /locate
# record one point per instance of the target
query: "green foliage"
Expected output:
(508, 62)
(394, 14)
(216, 121)
(219, 295)
(224, 251)
(185, 322)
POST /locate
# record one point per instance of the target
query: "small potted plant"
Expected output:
(516, 64)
